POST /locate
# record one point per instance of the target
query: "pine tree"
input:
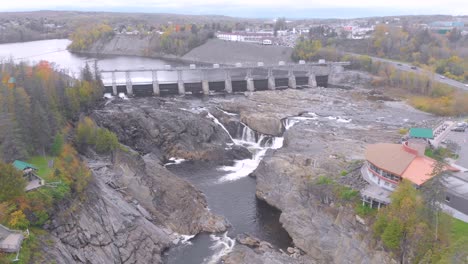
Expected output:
(12, 183)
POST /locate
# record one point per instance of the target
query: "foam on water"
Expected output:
(123, 96)
(222, 246)
(174, 161)
(242, 168)
(185, 239)
(226, 112)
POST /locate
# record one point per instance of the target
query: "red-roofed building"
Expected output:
(388, 164)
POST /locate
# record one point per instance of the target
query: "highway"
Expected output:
(410, 68)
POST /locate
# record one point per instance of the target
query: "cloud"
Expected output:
(223, 6)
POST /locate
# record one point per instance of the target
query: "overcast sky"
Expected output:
(253, 8)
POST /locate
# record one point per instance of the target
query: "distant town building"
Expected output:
(442, 27)
(251, 37)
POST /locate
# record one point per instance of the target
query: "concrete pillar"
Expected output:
(228, 82)
(250, 82)
(312, 80)
(114, 84)
(205, 83)
(271, 80)
(180, 82)
(292, 80)
(156, 90)
(129, 83)
(206, 87)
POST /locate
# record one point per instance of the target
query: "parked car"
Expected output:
(413, 67)
(458, 129)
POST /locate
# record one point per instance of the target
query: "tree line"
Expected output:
(41, 117)
(36, 102)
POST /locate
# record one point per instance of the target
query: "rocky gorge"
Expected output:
(139, 205)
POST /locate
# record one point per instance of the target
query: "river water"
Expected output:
(229, 190)
(55, 51)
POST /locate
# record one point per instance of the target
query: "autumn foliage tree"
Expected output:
(86, 35)
(405, 227)
(12, 183)
(38, 104)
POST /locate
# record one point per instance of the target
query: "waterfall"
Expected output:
(258, 144)
(248, 135)
(216, 121)
(226, 112)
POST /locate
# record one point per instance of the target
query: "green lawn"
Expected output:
(459, 230)
(41, 162)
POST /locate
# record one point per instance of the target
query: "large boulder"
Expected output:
(263, 123)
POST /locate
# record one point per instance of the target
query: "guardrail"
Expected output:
(193, 67)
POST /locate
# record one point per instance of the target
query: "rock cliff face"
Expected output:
(130, 213)
(149, 125)
(105, 228)
(250, 250)
(134, 207)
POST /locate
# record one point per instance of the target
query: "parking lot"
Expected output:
(461, 139)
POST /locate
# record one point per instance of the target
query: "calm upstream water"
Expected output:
(229, 190)
(55, 51)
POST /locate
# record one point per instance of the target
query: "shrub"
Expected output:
(346, 193)
(88, 134)
(106, 141)
(364, 210)
(403, 131)
(343, 173)
(324, 180)
(18, 220)
(392, 235)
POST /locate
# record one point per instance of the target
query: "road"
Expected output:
(410, 68)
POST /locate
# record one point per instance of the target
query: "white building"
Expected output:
(254, 37)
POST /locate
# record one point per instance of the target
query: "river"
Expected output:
(55, 51)
(229, 190)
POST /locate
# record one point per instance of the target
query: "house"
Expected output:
(29, 174)
(10, 240)
(388, 164)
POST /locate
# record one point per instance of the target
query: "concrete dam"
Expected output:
(217, 79)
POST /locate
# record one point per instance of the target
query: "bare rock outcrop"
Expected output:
(251, 250)
(105, 228)
(150, 125)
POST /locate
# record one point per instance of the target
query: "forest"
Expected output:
(42, 122)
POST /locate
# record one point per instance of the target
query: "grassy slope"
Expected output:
(41, 162)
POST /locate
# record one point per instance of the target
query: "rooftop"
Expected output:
(420, 170)
(416, 132)
(403, 161)
(390, 157)
(21, 165)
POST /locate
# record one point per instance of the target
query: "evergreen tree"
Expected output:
(12, 183)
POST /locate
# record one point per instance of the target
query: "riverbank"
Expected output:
(213, 51)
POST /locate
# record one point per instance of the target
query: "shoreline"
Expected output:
(169, 58)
